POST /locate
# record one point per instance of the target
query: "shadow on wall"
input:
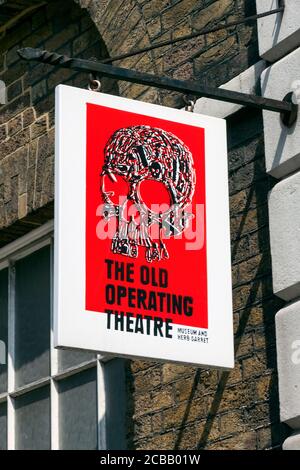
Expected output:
(241, 408)
(237, 59)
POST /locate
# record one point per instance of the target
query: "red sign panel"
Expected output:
(142, 258)
(142, 242)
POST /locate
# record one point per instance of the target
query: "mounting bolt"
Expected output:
(289, 119)
(281, 4)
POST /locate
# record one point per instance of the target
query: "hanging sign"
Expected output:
(142, 245)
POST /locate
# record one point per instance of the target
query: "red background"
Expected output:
(186, 268)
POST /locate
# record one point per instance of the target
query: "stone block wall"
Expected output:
(282, 149)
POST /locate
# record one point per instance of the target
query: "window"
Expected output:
(50, 399)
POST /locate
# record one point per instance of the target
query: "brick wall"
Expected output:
(169, 406)
(27, 120)
(213, 58)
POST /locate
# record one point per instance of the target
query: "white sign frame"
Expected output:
(74, 327)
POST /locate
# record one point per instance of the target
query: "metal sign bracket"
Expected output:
(287, 108)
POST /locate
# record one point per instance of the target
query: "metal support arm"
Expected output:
(286, 108)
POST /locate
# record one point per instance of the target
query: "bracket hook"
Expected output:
(94, 85)
(189, 103)
(94, 79)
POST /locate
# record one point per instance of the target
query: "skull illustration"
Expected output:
(136, 155)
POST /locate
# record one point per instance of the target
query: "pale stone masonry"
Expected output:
(278, 34)
(288, 351)
(279, 40)
(282, 144)
(284, 233)
(292, 442)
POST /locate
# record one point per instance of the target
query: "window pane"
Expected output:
(3, 426)
(33, 420)
(115, 396)
(3, 329)
(71, 358)
(78, 411)
(32, 317)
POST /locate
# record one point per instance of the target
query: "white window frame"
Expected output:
(9, 254)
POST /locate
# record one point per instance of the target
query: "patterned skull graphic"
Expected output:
(136, 156)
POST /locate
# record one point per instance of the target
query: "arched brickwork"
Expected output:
(27, 119)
